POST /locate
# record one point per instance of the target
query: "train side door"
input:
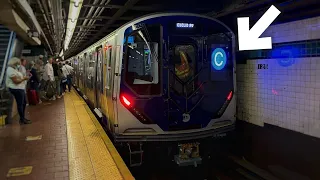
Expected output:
(109, 86)
(99, 79)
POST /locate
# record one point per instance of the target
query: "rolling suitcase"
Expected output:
(32, 97)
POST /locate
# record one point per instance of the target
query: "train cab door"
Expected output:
(183, 56)
(99, 78)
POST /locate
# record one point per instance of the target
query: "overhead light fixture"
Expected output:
(74, 10)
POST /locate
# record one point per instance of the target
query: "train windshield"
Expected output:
(142, 60)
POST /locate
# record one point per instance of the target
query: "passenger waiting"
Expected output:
(15, 81)
(22, 69)
(57, 78)
(34, 80)
(48, 77)
(67, 71)
(63, 79)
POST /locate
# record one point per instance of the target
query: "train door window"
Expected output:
(100, 70)
(81, 67)
(109, 57)
(184, 57)
(143, 61)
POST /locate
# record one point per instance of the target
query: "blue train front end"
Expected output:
(177, 80)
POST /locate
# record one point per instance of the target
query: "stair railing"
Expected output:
(6, 59)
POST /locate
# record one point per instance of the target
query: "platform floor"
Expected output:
(65, 142)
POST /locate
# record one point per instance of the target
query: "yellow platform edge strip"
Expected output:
(122, 167)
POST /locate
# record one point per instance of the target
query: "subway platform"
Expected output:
(65, 141)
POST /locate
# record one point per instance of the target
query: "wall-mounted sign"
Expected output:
(249, 39)
(262, 66)
(26, 51)
(184, 25)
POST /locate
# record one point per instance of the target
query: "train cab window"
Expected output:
(142, 68)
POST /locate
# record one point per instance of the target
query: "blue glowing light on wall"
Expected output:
(218, 59)
(285, 55)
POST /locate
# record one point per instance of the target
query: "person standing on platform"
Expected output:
(67, 71)
(63, 78)
(48, 77)
(34, 80)
(40, 72)
(40, 67)
(15, 82)
(23, 70)
(57, 78)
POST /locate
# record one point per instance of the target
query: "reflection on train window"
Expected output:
(91, 70)
(184, 59)
(184, 56)
(142, 60)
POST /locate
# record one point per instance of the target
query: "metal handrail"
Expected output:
(6, 58)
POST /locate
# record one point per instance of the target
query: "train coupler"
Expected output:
(188, 155)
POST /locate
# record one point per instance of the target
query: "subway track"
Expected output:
(224, 158)
(218, 163)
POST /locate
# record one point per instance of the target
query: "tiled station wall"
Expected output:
(282, 86)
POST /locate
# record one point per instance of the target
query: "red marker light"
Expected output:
(126, 101)
(229, 96)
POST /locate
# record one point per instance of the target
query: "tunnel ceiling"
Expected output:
(108, 15)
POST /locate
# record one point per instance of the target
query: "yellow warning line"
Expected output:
(91, 153)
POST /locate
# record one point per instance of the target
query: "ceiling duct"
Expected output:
(15, 23)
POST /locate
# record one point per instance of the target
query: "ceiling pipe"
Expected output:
(56, 13)
(91, 22)
(242, 7)
(26, 8)
(46, 10)
(44, 16)
(53, 22)
(89, 14)
(50, 22)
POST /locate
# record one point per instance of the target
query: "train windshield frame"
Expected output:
(142, 60)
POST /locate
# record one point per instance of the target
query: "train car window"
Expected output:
(100, 70)
(142, 68)
(109, 57)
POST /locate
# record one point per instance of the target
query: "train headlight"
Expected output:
(218, 59)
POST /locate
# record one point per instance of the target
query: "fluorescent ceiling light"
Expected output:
(74, 10)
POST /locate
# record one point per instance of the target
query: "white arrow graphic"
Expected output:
(249, 38)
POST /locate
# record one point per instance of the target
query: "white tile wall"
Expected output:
(306, 29)
(287, 97)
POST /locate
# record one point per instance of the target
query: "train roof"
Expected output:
(142, 18)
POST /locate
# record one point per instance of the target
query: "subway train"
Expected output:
(161, 77)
